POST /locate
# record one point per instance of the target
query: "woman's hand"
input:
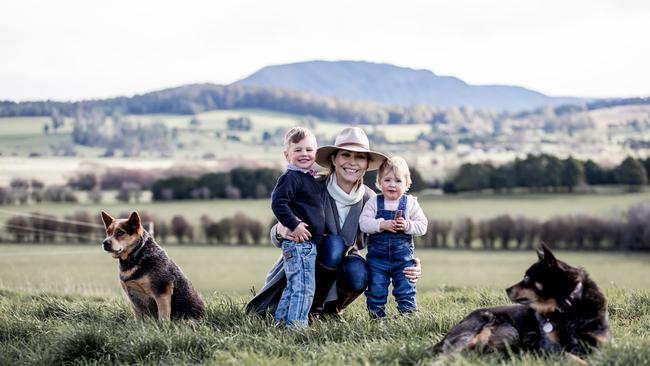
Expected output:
(285, 233)
(414, 273)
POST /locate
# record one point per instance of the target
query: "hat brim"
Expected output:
(323, 153)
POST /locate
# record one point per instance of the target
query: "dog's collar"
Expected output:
(134, 253)
(576, 294)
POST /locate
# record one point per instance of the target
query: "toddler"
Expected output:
(297, 204)
(391, 219)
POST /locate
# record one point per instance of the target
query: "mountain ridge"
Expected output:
(389, 84)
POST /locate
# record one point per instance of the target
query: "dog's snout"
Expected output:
(107, 245)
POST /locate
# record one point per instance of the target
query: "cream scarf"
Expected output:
(343, 200)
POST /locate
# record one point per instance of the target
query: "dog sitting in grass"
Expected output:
(560, 310)
(154, 284)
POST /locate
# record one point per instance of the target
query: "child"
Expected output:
(297, 203)
(392, 219)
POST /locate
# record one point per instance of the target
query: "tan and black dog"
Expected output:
(560, 310)
(154, 284)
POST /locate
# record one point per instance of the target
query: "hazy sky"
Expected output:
(93, 49)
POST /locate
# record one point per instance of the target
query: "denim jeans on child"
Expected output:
(299, 266)
(388, 255)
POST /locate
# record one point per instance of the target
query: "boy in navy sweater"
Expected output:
(297, 203)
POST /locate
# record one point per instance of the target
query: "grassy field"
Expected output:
(62, 304)
(87, 270)
(475, 206)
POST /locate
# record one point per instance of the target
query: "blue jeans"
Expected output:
(299, 268)
(387, 259)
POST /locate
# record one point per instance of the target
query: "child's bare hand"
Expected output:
(387, 225)
(301, 233)
(400, 224)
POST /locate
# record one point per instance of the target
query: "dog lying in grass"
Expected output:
(560, 310)
(154, 284)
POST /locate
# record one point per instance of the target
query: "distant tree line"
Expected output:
(565, 109)
(82, 227)
(574, 232)
(543, 173)
(193, 99)
(503, 232)
(21, 191)
(235, 184)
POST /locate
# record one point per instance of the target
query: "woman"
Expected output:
(341, 274)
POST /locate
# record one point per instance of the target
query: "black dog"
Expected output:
(154, 284)
(562, 310)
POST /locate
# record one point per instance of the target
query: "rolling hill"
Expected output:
(390, 84)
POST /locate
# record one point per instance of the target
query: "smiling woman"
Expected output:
(341, 274)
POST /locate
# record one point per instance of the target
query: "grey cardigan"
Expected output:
(266, 298)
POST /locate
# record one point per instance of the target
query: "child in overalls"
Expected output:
(392, 219)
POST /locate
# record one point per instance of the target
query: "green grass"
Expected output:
(63, 304)
(54, 329)
(87, 270)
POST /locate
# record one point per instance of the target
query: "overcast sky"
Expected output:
(70, 50)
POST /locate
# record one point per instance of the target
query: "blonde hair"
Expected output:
(297, 134)
(397, 166)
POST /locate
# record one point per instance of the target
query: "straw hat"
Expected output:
(350, 139)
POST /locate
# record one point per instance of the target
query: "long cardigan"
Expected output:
(266, 300)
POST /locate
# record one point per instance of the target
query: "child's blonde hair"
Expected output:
(397, 166)
(297, 134)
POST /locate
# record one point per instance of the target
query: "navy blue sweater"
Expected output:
(298, 197)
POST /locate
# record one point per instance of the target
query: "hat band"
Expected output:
(343, 145)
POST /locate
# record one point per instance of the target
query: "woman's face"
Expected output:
(349, 166)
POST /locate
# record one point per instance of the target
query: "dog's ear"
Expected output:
(134, 221)
(108, 219)
(547, 256)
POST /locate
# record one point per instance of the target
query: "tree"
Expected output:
(573, 173)
(553, 169)
(178, 187)
(244, 180)
(472, 177)
(594, 174)
(242, 123)
(84, 181)
(18, 226)
(631, 173)
(181, 228)
(216, 183)
(57, 120)
(646, 165)
(503, 177)
(530, 172)
(418, 183)
(267, 178)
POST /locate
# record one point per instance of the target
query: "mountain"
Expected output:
(390, 84)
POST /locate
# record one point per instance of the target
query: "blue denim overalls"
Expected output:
(388, 255)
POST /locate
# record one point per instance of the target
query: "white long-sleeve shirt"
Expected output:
(416, 222)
